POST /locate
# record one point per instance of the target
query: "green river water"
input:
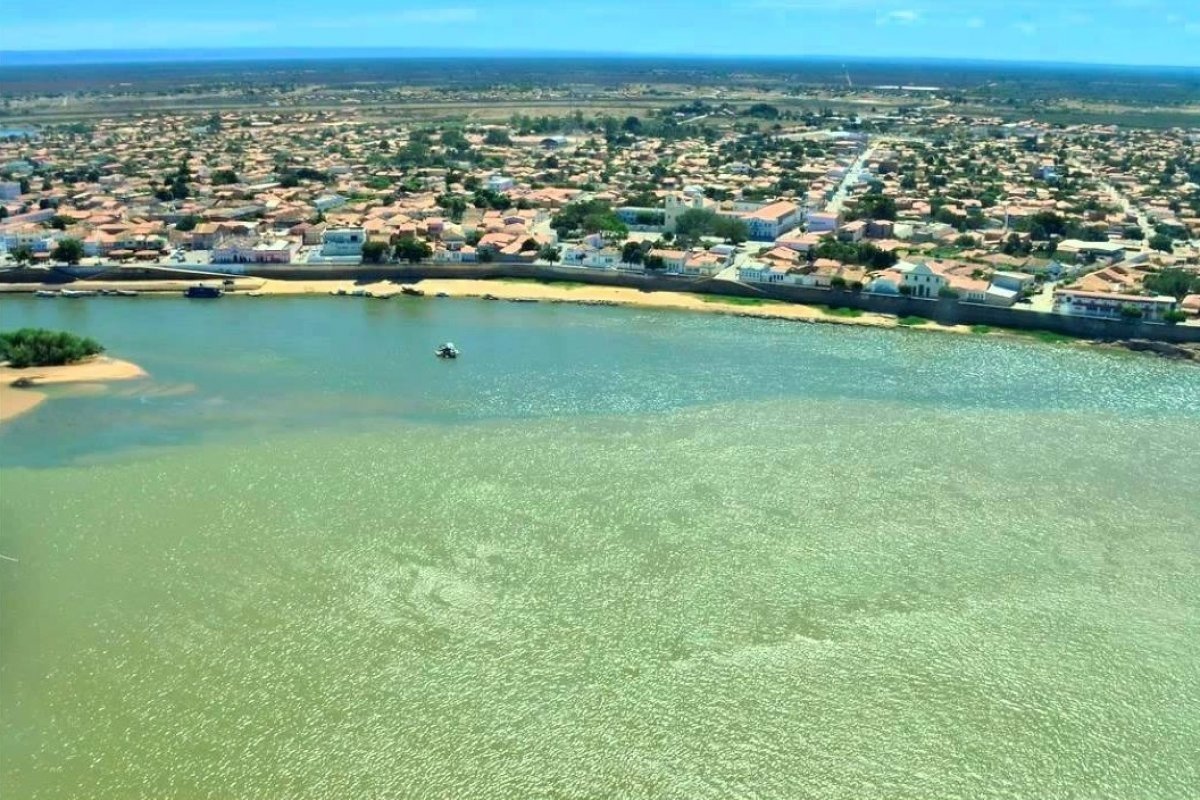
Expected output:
(606, 554)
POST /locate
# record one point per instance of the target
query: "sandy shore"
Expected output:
(600, 295)
(14, 402)
(147, 287)
(519, 289)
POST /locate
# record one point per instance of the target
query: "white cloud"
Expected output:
(903, 16)
(436, 16)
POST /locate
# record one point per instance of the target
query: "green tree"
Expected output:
(654, 262)
(589, 216)
(68, 250)
(37, 347)
(632, 253)
(1162, 242)
(188, 223)
(22, 254)
(1175, 282)
(454, 205)
(875, 206)
(223, 177)
(497, 137)
(413, 250)
(550, 253)
(375, 252)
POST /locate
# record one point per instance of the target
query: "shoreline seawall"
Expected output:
(945, 312)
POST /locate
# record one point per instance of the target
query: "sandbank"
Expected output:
(14, 401)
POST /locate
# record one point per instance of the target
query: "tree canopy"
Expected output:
(588, 216)
(374, 252)
(413, 250)
(1175, 282)
(697, 222)
(38, 347)
(68, 250)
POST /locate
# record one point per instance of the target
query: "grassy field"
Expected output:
(911, 321)
(739, 301)
(841, 312)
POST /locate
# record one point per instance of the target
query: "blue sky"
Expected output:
(1161, 32)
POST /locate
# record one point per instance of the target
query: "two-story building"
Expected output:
(1110, 306)
(771, 221)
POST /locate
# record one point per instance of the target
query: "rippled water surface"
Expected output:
(608, 553)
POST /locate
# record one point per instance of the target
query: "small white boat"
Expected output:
(46, 293)
(78, 293)
(448, 350)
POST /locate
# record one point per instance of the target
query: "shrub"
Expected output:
(1173, 316)
(37, 347)
(1131, 312)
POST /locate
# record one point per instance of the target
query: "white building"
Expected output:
(329, 201)
(500, 183)
(1109, 306)
(342, 242)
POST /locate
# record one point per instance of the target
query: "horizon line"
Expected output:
(115, 56)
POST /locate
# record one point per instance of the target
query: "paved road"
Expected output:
(853, 174)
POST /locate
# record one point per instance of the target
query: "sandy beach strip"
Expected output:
(14, 401)
(591, 294)
(522, 289)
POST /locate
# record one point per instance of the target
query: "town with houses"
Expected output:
(1083, 220)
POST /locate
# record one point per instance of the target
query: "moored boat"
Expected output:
(448, 350)
(77, 293)
(203, 292)
(46, 293)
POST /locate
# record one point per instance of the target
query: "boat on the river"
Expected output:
(78, 293)
(411, 291)
(203, 292)
(46, 293)
(448, 350)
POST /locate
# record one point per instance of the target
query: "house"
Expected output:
(10, 190)
(248, 250)
(852, 231)
(769, 222)
(342, 243)
(1000, 296)
(327, 202)
(704, 264)
(821, 222)
(1101, 304)
(881, 229)
(763, 272)
(673, 260)
(1110, 250)
(921, 280)
(500, 183)
(1015, 281)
